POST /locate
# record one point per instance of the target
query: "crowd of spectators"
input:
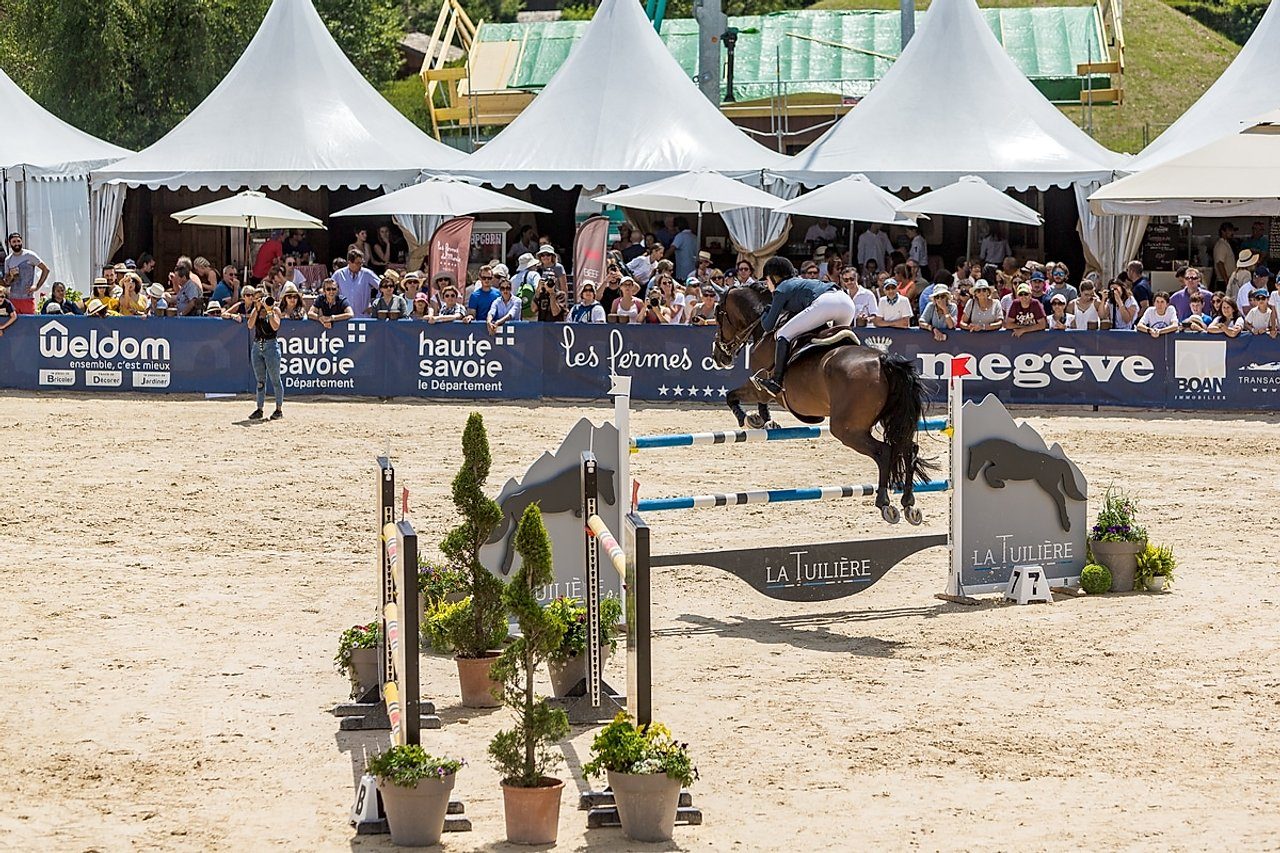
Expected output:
(663, 277)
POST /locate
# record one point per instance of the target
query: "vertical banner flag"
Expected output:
(588, 252)
(450, 249)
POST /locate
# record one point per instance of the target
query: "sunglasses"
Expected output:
(331, 290)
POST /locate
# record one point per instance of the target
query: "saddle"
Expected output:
(818, 341)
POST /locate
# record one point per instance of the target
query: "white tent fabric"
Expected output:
(343, 133)
(45, 164)
(1249, 87)
(853, 197)
(249, 209)
(700, 191)
(441, 196)
(974, 198)
(954, 104)
(1236, 175)
(1109, 242)
(619, 112)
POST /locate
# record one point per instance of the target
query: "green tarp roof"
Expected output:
(1045, 42)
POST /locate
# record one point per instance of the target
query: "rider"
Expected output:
(810, 303)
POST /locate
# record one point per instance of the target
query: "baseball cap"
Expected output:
(891, 282)
(421, 297)
(1260, 293)
(53, 308)
(1058, 297)
(1037, 276)
(1024, 288)
(1262, 271)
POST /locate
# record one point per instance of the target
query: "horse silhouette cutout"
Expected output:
(999, 461)
(561, 492)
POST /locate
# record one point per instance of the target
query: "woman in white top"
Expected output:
(672, 300)
(1161, 318)
(982, 314)
(1261, 319)
(1058, 319)
(1228, 321)
(628, 307)
(1121, 307)
(1084, 308)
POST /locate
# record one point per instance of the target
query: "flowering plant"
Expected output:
(436, 581)
(357, 637)
(1117, 520)
(408, 765)
(626, 748)
(572, 614)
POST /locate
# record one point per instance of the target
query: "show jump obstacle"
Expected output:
(397, 702)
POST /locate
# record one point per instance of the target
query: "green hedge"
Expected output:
(1235, 19)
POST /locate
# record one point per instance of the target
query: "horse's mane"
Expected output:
(758, 293)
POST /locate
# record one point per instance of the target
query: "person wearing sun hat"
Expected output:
(548, 263)
(940, 315)
(157, 300)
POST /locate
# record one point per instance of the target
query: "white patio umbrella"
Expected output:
(851, 198)
(701, 191)
(250, 210)
(441, 196)
(972, 198)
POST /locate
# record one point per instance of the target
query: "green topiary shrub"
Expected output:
(1095, 579)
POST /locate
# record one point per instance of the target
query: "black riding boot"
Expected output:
(773, 385)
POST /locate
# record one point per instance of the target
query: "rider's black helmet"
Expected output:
(780, 268)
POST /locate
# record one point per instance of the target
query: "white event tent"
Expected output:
(1248, 88)
(619, 112)
(292, 112)
(45, 165)
(954, 104)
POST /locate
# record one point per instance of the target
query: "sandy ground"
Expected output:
(176, 581)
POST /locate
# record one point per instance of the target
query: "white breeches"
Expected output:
(834, 306)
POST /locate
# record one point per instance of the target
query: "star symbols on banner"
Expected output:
(679, 392)
(722, 391)
(662, 390)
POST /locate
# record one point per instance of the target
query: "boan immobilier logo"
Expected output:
(1200, 370)
(105, 358)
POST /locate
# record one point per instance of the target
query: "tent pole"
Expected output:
(852, 261)
(700, 226)
(968, 241)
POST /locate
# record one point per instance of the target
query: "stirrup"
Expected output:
(766, 384)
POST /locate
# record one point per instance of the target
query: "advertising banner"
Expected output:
(462, 360)
(451, 247)
(75, 353)
(588, 252)
(348, 358)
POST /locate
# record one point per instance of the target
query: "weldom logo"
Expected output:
(56, 341)
(1200, 369)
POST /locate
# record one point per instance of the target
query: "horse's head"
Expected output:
(738, 320)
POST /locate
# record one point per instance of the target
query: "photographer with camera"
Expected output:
(258, 310)
(549, 302)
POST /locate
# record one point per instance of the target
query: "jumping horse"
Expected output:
(856, 386)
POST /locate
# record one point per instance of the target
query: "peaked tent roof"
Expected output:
(344, 134)
(904, 133)
(47, 146)
(1249, 87)
(577, 131)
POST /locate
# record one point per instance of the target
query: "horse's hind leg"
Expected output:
(865, 443)
(909, 509)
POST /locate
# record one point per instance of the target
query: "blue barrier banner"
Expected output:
(463, 361)
(665, 362)
(529, 361)
(125, 354)
(348, 358)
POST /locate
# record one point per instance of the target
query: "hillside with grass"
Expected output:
(1170, 60)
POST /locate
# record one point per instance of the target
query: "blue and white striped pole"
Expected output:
(773, 496)
(749, 436)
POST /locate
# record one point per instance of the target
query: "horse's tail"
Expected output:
(900, 418)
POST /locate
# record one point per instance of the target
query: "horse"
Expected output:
(857, 387)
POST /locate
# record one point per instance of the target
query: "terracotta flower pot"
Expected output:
(1122, 560)
(565, 675)
(476, 685)
(363, 671)
(646, 804)
(533, 814)
(415, 815)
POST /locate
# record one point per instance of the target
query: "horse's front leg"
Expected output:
(734, 400)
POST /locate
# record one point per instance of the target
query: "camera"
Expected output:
(270, 301)
(548, 276)
(655, 301)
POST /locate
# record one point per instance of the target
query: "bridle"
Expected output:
(726, 352)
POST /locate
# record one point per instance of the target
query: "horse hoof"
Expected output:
(913, 514)
(755, 422)
(890, 514)
(773, 425)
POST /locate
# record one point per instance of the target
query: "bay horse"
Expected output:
(857, 387)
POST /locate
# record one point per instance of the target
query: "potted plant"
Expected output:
(1155, 567)
(358, 656)
(439, 585)
(567, 663)
(1117, 539)
(478, 625)
(524, 754)
(415, 789)
(646, 768)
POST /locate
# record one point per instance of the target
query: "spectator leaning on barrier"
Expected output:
(1025, 313)
(20, 267)
(982, 313)
(1261, 319)
(1228, 320)
(1121, 307)
(894, 310)
(939, 316)
(588, 310)
(504, 309)
(1198, 320)
(213, 309)
(629, 307)
(58, 298)
(864, 301)
(1058, 319)
(1161, 318)
(1084, 309)
(389, 305)
(330, 306)
(704, 313)
(451, 309)
(8, 312)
